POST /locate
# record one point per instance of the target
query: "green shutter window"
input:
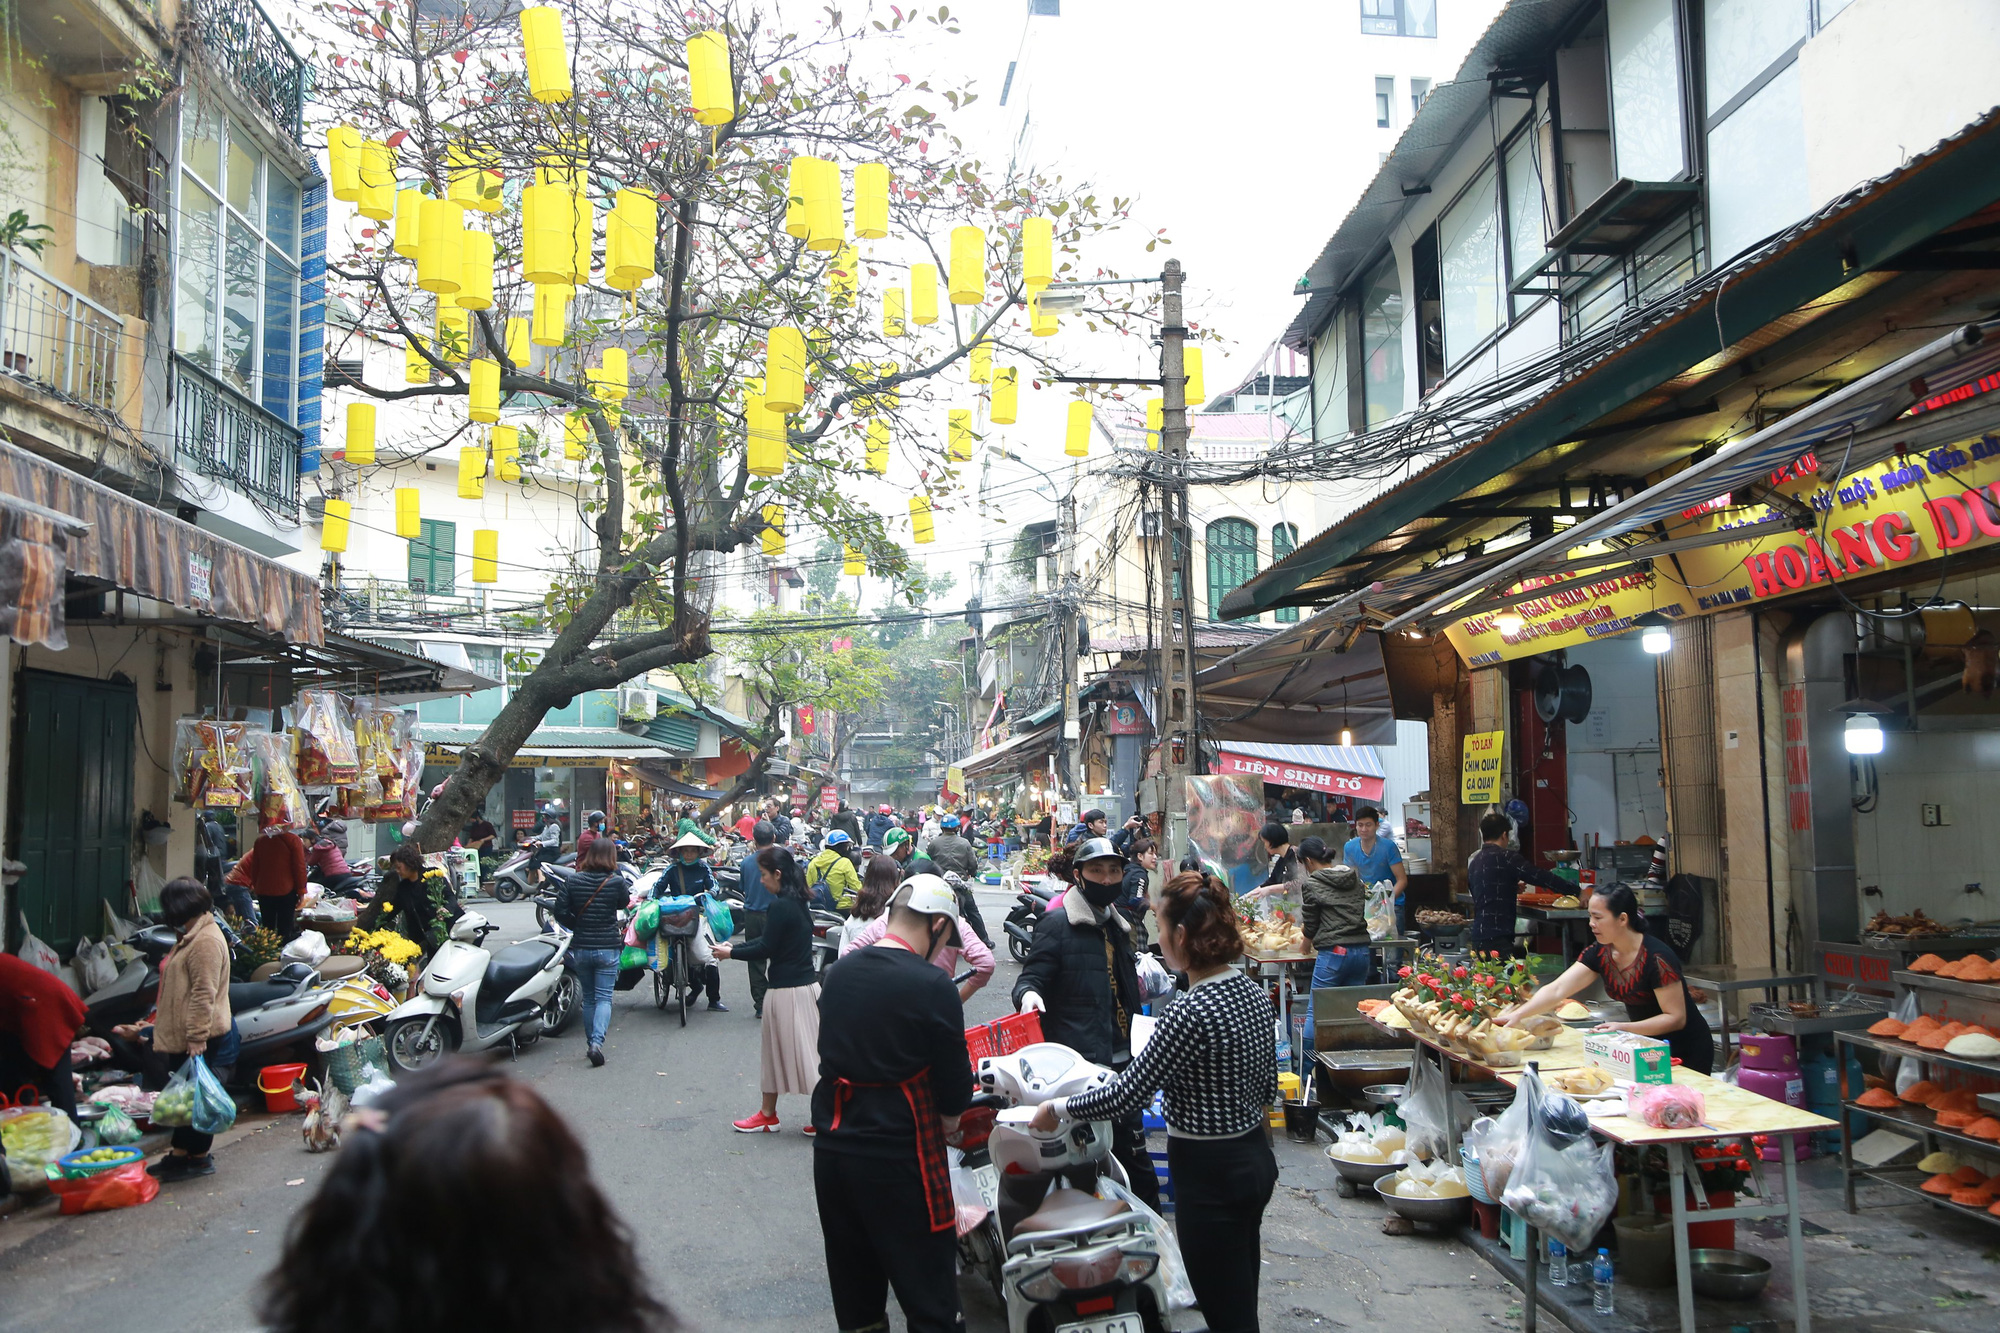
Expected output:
(1232, 560)
(433, 554)
(1284, 540)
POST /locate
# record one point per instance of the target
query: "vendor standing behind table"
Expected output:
(1334, 917)
(1496, 874)
(1377, 858)
(1639, 969)
(1213, 1055)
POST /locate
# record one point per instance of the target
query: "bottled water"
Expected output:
(1558, 1264)
(1600, 1278)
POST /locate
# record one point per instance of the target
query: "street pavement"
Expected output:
(724, 1222)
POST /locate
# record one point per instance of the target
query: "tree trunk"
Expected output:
(745, 780)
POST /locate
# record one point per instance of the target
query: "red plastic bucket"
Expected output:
(275, 1082)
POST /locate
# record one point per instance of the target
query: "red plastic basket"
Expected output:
(980, 1044)
(1018, 1030)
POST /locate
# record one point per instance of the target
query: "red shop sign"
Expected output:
(1328, 780)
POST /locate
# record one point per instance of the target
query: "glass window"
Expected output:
(432, 554)
(1527, 208)
(1382, 345)
(1232, 560)
(1331, 414)
(1399, 18)
(1757, 168)
(1420, 18)
(201, 141)
(1378, 18)
(244, 159)
(194, 312)
(1284, 540)
(1385, 94)
(1419, 90)
(1647, 129)
(1743, 38)
(241, 268)
(281, 303)
(281, 211)
(1469, 282)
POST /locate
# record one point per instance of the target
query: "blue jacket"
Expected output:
(681, 878)
(750, 876)
(878, 824)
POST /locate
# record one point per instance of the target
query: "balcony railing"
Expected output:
(243, 40)
(56, 338)
(221, 434)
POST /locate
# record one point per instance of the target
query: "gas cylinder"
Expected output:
(1769, 1067)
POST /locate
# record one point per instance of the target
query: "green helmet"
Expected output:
(895, 837)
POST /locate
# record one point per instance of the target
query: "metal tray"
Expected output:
(1776, 1018)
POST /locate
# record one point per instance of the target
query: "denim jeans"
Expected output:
(1334, 968)
(242, 903)
(597, 971)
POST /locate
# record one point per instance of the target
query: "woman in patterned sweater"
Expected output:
(1214, 1055)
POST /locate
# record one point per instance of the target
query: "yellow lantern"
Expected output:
(576, 436)
(968, 266)
(609, 379)
(710, 86)
(485, 555)
(631, 239)
(409, 223)
(774, 529)
(1156, 420)
(416, 366)
(333, 526)
(441, 247)
(472, 186)
(1041, 323)
(484, 404)
(923, 293)
(471, 473)
(343, 161)
(979, 363)
(1037, 252)
(959, 436)
(920, 520)
(548, 234)
(892, 313)
(871, 201)
(551, 315)
(584, 221)
(878, 447)
(377, 195)
(360, 434)
(548, 57)
(408, 522)
(802, 189)
(1196, 391)
(519, 349)
(475, 271)
(507, 452)
(764, 432)
(785, 369)
(825, 218)
(1006, 399)
(1076, 439)
(851, 561)
(454, 334)
(843, 276)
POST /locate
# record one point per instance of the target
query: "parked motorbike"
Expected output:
(470, 999)
(826, 939)
(291, 1006)
(1057, 1255)
(1029, 906)
(518, 876)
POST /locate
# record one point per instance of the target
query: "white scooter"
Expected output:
(1057, 1255)
(469, 999)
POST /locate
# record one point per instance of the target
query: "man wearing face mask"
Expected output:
(1082, 976)
(893, 1078)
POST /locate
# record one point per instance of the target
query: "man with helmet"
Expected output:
(1082, 976)
(830, 876)
(894, 1078)
(593, 829)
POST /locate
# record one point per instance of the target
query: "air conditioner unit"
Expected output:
(637, 703)
(1149, 523)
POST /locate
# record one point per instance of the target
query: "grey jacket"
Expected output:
(948, 851)
(1335, 911)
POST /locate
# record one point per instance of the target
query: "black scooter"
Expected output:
(1030, 904)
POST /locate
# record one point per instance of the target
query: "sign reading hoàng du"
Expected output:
(1900, 512)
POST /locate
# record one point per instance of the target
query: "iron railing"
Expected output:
(221, 434)
(57, 338)
(243, 40)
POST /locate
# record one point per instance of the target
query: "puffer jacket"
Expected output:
(1067, 967)
(948, 851)
(1335, 910)
(589, 905)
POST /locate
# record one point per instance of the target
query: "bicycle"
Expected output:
(673, 973)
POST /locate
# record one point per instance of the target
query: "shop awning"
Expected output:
(413, 670)
(1031, 748)
(546, 747)
(1304, 685)
(59, 523)
(652, 772)
(1338, 770)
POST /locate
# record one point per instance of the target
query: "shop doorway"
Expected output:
(73, 801)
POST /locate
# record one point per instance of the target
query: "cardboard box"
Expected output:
(1630, 1057)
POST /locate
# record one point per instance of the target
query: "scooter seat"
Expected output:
(1066, 1208)
(249, 994)
(514, 964)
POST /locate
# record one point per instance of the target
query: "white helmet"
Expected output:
(932, 896)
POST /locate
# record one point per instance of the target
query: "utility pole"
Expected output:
(1068, 602)
(1175, 707)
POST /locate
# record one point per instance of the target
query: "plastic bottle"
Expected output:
(1600, 1280)
(1558, 1264)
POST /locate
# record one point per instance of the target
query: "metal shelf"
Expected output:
(1906, 1117)
(1881, 1176)
(1890, 1046)
(1965, 990)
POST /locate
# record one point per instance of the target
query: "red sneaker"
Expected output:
(756, 1124)
(810, 1131)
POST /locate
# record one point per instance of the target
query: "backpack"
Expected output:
(1683, 913)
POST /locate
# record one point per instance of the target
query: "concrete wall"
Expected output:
(1750, 767)
(1614, 753)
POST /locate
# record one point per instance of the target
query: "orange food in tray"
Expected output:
(1888, 1027)
(1936, 1041)
(1921, 1092)
(1995, 1210)
(1939, 1185)
(1958, 1099)
(1955, 1119)
(1986, 1127)
(1978, 1197)
(1923, 1027)
(1877, 1099)
(1929, 962)
(1969, 1175)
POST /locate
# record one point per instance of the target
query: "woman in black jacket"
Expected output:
(790, 1056)
(588, 905)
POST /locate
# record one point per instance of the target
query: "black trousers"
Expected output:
(1128, 1145)
(279, 911)
(57, 1087)
(751, 924)
(968, 911)
(1221, 1187)
(877, 1233)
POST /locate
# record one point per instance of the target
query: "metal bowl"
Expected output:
(1437, 1212)
(1382, 1094)
(1362, 1173)
(1728, 1275)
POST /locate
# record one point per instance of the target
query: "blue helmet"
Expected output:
(837, 838)
(951, 821)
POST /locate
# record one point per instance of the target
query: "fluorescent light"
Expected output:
(1509, 622)
(1864, 734)
(1346, 737)
(1656, 633)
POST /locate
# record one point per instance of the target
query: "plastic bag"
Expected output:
(967, 1201)
(1424, 1107)
(308, 946)
(211, 763)
(325, 722)
(632, 955)
(1501, 1141)
(36, 951)
(1563, 1181)
(1907, 1010)
(1173, 1270)
(94, 968)
(281, 801)
(374, 1083)
(720, 922)
(1911, 1074)
(115, 1129)
(36, 1135)
(1670, 1106)
(194, 1097)
(1154, 979)
(646, 921)
(125, 1187)
(1381, 910)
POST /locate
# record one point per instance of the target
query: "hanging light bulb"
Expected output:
(1076, 438)
(547, 55)
(1346, 736)
(1509, 621)
(710, 87)
(485, 555)
(1863, 734)
(333, 526)
(1656, 633)
(360, 437)
(1006, 398)
(968, 266)
(871, 201)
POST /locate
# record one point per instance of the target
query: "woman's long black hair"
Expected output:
(1619, 900)
(791, 879)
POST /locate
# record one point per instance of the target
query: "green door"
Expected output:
(73, 802)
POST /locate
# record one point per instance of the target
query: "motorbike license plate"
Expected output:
(989, 1186)
(1118, 1323)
